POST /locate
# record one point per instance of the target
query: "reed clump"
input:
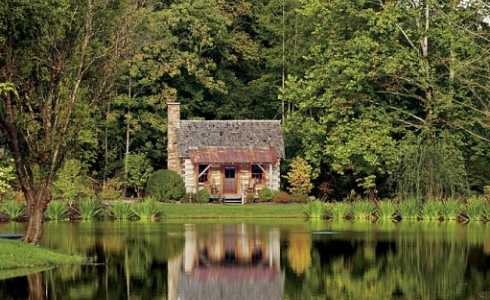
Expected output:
(473, 209)
(316, 210)
(12, 209)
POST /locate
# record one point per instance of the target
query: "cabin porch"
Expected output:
(231, 174)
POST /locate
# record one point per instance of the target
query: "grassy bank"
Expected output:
(216, 211)
(462, 210)
(18, 258)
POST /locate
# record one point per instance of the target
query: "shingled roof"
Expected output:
(196, 134)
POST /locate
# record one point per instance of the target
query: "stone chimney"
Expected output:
(173, 123)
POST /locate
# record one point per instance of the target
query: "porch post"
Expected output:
(270, 176)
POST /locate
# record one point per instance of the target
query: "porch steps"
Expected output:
(232, 200)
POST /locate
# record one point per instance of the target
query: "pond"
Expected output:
(262, 260)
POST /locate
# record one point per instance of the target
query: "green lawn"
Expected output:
(18, 258)
(220, 211)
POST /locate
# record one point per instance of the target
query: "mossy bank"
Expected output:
(18, 258)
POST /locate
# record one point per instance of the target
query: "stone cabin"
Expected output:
(228, 158)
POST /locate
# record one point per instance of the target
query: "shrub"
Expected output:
(431, 165)
(89, 209)
(280, 197)
(202, 196)
(265, 194)
(7, 176)
(121, 211)
(139, 170)
(299, 198)
(315, 210)
(111, 190)
(299, 176)
(147, 210)
(165, 185)
(71, 182)
(486, 192)
(12, 209)
(250, 197)
(57, 211)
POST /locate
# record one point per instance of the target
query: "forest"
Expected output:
(385, 99)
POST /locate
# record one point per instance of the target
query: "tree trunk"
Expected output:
(36, 207)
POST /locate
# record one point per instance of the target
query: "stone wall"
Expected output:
(173, 124)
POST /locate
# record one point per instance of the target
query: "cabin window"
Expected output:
(257, 173)
(204, 176)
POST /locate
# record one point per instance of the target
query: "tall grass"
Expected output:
(338, 210)
(147, 210)
(315, 210)
(387, 209)
(12, 209)
(477, 209)
(450, 210)
(121, 211)
(430, 210)
(89, 209)
(363, 210)
(57, 211)
(409, 209)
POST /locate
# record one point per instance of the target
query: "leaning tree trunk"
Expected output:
(35, 211)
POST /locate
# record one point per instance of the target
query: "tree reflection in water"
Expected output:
(252, 261)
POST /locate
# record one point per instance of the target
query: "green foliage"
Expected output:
(431, 210)
(339, 210)
(315, 210)
(12, 209)
(202, 196)
(139, 170)
(409, 209)
(366, 104)
(266, 194)
(281, 197)
(363, 210)
(71, 184)
(486, 192)
(477, 209)
(57, 211)
(299, 177)
(121, 210)
(387, 209)
(7, 175)
(89, 209)
(166, 185)
(299, 198)
(450, 209)
(432, 167)
(147, 210)
(111, 190)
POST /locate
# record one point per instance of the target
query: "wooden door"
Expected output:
(229, 186)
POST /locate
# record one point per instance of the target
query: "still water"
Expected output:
(250, 260)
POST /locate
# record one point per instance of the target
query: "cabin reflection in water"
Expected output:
(231, 262)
